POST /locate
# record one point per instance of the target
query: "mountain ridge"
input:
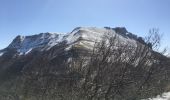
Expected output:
(44, 41)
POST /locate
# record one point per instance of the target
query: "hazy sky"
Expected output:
(26, 17)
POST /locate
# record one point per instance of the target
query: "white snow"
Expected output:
(87, 35)
(26, 44)
(90, 35)
(28, 51)
(164, 96)
(1, 53)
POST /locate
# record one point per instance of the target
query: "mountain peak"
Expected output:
(87, 35)
(16, 42)
(121, 30)
(25, 44)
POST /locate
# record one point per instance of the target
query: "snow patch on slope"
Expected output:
(1, 53)
(86, 33)
(164, 96)
(90, 35)
(82, 36)
(25, 44)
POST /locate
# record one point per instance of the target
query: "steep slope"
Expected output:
(52, 66)
(90, 35)
(87, 35)
(24, 44)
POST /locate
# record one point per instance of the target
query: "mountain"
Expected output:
(24, 44)
(87, 63)
(44, 41)
(88, 35)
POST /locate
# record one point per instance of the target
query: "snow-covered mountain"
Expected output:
(43, 41)
(50, 66)
(85, 36)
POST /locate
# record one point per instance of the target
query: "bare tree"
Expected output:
(114, 68)
(154, 39)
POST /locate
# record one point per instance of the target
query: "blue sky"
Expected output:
(26, 17)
